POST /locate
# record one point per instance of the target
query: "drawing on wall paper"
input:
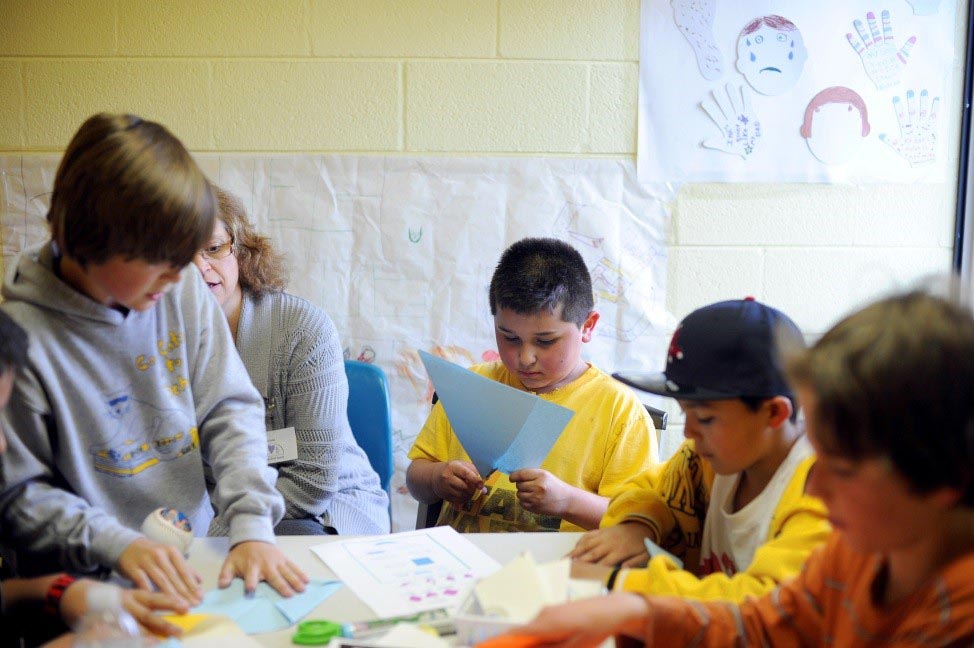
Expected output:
(883, 62)
(771, 54)
(366, 355)
(695, 18)
(925, 7)
(618, 266)
(410, 367)
(732, 113)
(917, 141)
(835, 125)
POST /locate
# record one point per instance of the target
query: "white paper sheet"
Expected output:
(409, 572)
(696, 126)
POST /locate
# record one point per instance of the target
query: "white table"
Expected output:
(207, 555)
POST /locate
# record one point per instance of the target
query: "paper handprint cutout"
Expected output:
(925, 7)
(917, 142)
(836, 123)
(695, 18)
(771, 54)
(731, 110)
(883, 62)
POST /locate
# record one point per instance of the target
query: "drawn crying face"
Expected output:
(771, 54)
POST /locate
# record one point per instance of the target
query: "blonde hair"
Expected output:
(128, 187)
(262, 270)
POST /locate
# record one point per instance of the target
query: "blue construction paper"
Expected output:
(265, 610)
(500, 427)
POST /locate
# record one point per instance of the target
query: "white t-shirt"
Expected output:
(731, 538)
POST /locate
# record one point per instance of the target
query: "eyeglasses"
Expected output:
(219, 251)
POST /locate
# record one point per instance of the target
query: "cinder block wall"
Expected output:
(455, 77)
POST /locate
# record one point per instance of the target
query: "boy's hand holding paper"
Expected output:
(458, 483)
(541, 492)
(500, 428)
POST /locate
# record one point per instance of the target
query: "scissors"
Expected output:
(316, 632)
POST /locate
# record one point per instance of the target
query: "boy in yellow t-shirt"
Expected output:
(542, 302)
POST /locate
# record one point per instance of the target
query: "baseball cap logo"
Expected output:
(675, 352)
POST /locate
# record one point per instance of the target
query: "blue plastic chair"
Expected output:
(370, 416)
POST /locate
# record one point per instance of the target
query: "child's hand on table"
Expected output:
(153, 565)
(621, 545)
(256, 561)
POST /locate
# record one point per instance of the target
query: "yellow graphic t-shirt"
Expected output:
(609, 439)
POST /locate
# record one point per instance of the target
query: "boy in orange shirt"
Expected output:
(889, 401)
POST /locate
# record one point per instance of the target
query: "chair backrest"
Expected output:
(659, 417)
(370, 415)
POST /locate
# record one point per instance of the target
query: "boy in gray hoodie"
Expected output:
(132, 384)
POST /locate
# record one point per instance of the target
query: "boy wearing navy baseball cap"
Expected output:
(731, 503)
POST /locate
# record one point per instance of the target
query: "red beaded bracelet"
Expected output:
(52, 600)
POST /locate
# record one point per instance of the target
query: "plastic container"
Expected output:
(107, 624)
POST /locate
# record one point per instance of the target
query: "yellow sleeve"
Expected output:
(671, 499)
(799, 525)
(633, 452)
(436, 441)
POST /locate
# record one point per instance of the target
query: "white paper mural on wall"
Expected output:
(399, 251)
(786, 54)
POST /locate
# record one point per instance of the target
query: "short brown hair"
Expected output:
(262, 270)
(128, 187)
(896, 380)
(536, 275)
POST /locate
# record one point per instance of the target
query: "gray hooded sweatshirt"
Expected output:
(115, 415)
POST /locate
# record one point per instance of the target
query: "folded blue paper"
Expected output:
(500, 427)
(265, 610)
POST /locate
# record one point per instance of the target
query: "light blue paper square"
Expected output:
(499, 427)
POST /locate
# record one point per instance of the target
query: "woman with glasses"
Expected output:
(292, 353)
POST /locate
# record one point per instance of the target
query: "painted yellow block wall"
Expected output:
(454, 77)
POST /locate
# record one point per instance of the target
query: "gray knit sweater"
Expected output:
(292, 353)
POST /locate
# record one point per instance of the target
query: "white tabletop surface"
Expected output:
(207, 554)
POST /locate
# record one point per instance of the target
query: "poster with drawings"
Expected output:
(795, 91)
(399, 252)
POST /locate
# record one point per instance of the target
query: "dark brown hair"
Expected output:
(128, 187)
(536, 275)
(896, 380)
(261, 269)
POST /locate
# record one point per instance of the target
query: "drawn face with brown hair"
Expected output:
(835, 125)
(771, 54)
